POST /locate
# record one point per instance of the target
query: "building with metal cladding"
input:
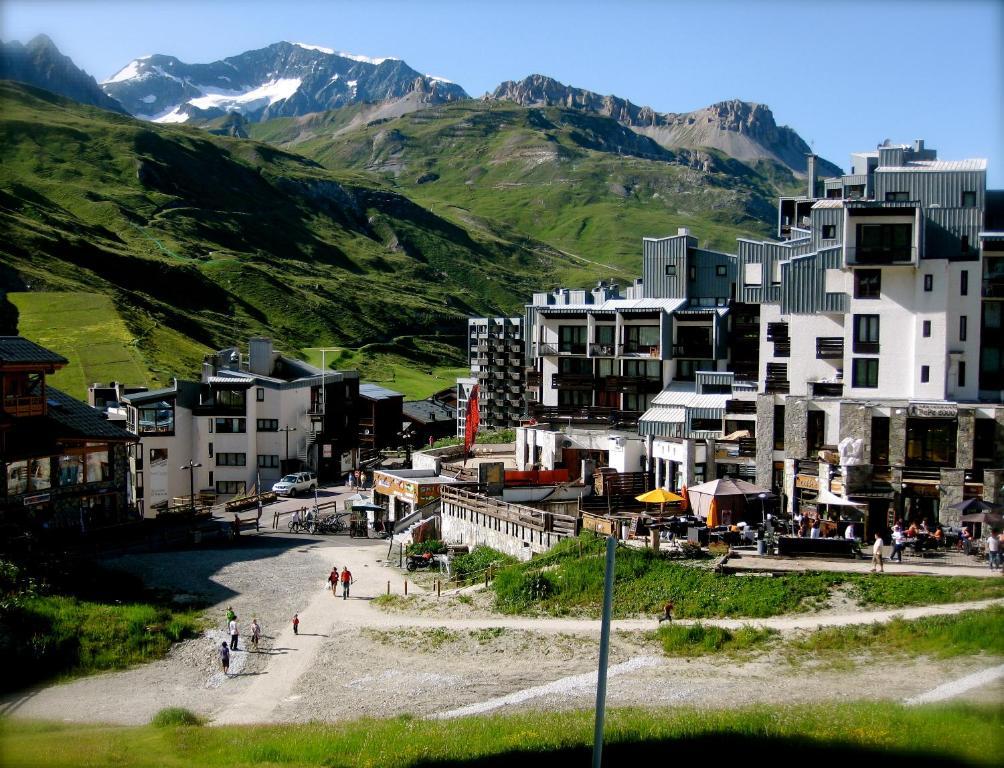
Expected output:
(496, 355)
(862, 349)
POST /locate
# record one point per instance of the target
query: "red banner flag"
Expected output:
(472, 421)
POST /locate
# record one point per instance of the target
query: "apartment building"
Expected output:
(64, 466)
(496, 353)
(249, 417)
(859, 354)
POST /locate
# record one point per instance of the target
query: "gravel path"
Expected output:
(442, 656)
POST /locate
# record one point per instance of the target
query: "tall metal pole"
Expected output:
(287, 429)
(190, 466)
(601, 677)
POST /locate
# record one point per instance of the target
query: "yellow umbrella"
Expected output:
(658, 496)
(713, 516)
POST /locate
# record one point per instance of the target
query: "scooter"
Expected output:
(421, 561)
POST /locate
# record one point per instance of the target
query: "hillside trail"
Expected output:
(326, 615)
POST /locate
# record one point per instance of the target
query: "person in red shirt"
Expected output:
(333, 581)
(346, 582)
(296, 623)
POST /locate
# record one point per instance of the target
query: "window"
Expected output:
(962, 373)
(671, 270)
(641, 338)
(968, 199)
(884, 243)
(866, 333)
(268, 461)
(230, 426)
(646, 369)
(867, 283)
(156, 418)
(964, 283)
(925, 374)
(231, 459)
(227, 487)
(705, 425)
(927, 329)
(260, 394)
(928, 283)
(963, 327)
(268, 425)
(778, 427)
(897, 197)
(211, 426)
(231, 398)
(210, 450)
(829, 231)
(865, 372)
(572, 339)
(720, 270)
(98, 469)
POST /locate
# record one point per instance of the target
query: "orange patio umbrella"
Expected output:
(713, 517)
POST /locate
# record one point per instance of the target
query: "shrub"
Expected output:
(432, 546)
(469, 568)
(701, 639)
(175, 716)
(516, 590)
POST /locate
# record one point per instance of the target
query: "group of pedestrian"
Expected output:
(355, 479)
(344, 578)
(234, 630)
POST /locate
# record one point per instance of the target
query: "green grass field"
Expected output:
(408, 365)
(823, 734)
(87, 330)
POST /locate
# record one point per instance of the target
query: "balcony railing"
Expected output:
(601, 350)
(584, 414)
(631, 384)
(782, 348)
(572, 381)
(866, 347)
(740, 406)
(26, 405)
(827, 388)
(993, 288)
(700, 351)
(829, 348)
(640, 350)
(891, 255)
(533, 379)
(541, 350)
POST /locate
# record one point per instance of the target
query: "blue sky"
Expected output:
(845, 75)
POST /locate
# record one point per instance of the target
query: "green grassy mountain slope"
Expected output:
(213, 238)
(582, 183)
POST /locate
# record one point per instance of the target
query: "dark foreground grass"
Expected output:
(703, 639)
(569, 580)
(824, 734)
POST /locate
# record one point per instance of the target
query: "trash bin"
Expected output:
(761, 547)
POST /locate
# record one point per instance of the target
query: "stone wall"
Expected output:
(796, 439)
(517, 540)
(764, 440)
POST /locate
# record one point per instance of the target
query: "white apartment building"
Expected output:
(249, 418)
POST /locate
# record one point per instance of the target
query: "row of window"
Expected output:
(865, 373)
(232, 425)
(28, 475)
(968, 198)
(265, 461)
(721, 270)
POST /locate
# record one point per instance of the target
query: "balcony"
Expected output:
(572, 381)
(744, 448)
(829, 348)
(631, 384)
(777, 332)
(782, 348)
(533, 379)
(693, 350)
(827, 388)
(601, 350)
(866, 347)
(26, 405)
(881, 256)
(584, 415)
(745, 407)
(639, 350)
(544, 350)
(993, 288)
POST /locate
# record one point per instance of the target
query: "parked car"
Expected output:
(296, 483)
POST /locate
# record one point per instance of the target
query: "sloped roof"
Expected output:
(376, 392)
(428, 411)
(15, 350)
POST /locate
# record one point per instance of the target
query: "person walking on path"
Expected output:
(667, 613)
(346, 582)
(333, 581)
(225, 658)
(296, 623)
(233, 634)
(993, 550)
(230, 615)
(898, 544)
(877, 554)
(255, 633)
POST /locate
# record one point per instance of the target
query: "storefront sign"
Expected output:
(933, 410)
(326, 450)
(39, 498)
(806, 481)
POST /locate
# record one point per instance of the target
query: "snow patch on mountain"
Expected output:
(344, 55)
(262, 96)
(149, 99)
(320, 48)
(128, 72)
(439, 79)
(174, 116)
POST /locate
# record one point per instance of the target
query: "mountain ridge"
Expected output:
(281, 80)
(744, 130)
(41, 64)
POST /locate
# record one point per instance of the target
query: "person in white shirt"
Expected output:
(849, 533)
(233, 634)
(993, 551)
(877, 554)
(898, 544)
(814, 533)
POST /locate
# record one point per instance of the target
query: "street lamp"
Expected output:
(763, 506)
(287, 429)
(190, 466)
